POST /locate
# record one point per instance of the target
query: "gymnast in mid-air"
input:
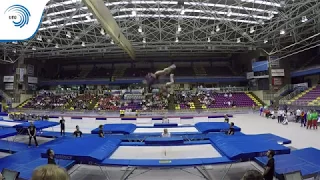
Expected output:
(153, 78)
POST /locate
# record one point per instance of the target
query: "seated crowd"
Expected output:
(48, 100)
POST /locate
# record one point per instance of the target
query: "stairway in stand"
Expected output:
(197, 103)
(171, 105)
(199, 71)
(252, 96)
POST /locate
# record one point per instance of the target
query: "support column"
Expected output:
(20, 79)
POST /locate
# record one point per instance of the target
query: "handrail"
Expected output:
(283, 89)
(6, 96)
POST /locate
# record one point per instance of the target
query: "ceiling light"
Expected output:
(271, 15)
(112, 42)
(282, 32)
(252, 30)
(179, 28)
(209, 40)
(83, 44)
(229, 12)
(49, 20)
(49, 40)
(144, 40)
(238, 40)
(134, 13)
(14, 51)
(212, 32)
(304, 19)
(34, 48)
(14, 42)
(88, 17)
(177, 39)
(57, 45)
(68, 34)
(217, 28)
(140, 29)
(39, 38)
(76, 37)
(265, 41)
(102, 32)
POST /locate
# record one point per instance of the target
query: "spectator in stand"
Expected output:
(77, 132)
(50, 172)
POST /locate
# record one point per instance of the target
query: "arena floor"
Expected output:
(250, 124)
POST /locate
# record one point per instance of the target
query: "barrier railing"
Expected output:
(283, 89)
(88, 113)
(6, 96)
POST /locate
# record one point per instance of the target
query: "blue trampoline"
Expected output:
(110, 151)
(208, 127)
(305, 160)
(7, 132)
(38, 124)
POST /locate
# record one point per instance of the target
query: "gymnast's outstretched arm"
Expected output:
(165, 71)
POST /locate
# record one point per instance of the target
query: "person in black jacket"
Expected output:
(32, 131)
(51, 159)
(269, 168)
(77, 132)
(231, 129)
(101, 132)
(62, 127)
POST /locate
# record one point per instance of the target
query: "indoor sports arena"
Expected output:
(163, 90)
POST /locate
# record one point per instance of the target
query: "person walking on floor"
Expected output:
(309, 119)
(315, 117)
(62, 127)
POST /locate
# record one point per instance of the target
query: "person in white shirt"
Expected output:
(298, 115)
(165, 134)
(165, 120)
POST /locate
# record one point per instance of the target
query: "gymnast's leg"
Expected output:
(165, 71)
(169, 84)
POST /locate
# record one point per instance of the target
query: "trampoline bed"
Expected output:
(172, 152)
(171, 130)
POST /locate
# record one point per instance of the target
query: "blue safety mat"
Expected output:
(38, 124)
(166, 163)
(305, 160)
(207, 127)
(163, 141)
(86, 149)
(8, 126)
(9, 146)
(51, 134)
(26, 161)
(184, 144)
(246, 147)
(116, 129)
(7, 132)
(257, 137)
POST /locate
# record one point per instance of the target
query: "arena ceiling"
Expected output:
(174, 28)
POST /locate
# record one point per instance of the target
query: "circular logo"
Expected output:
(19, 15)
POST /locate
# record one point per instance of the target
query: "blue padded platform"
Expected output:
(38, 124)
(7, 132)
(246, 147)
(184, 144)
(26, 161)
(85, 150)
(207, 127)
(163, 141)
(9, 146)
(166, 163)
(305, 160)
(165, 125)
(116, 129)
